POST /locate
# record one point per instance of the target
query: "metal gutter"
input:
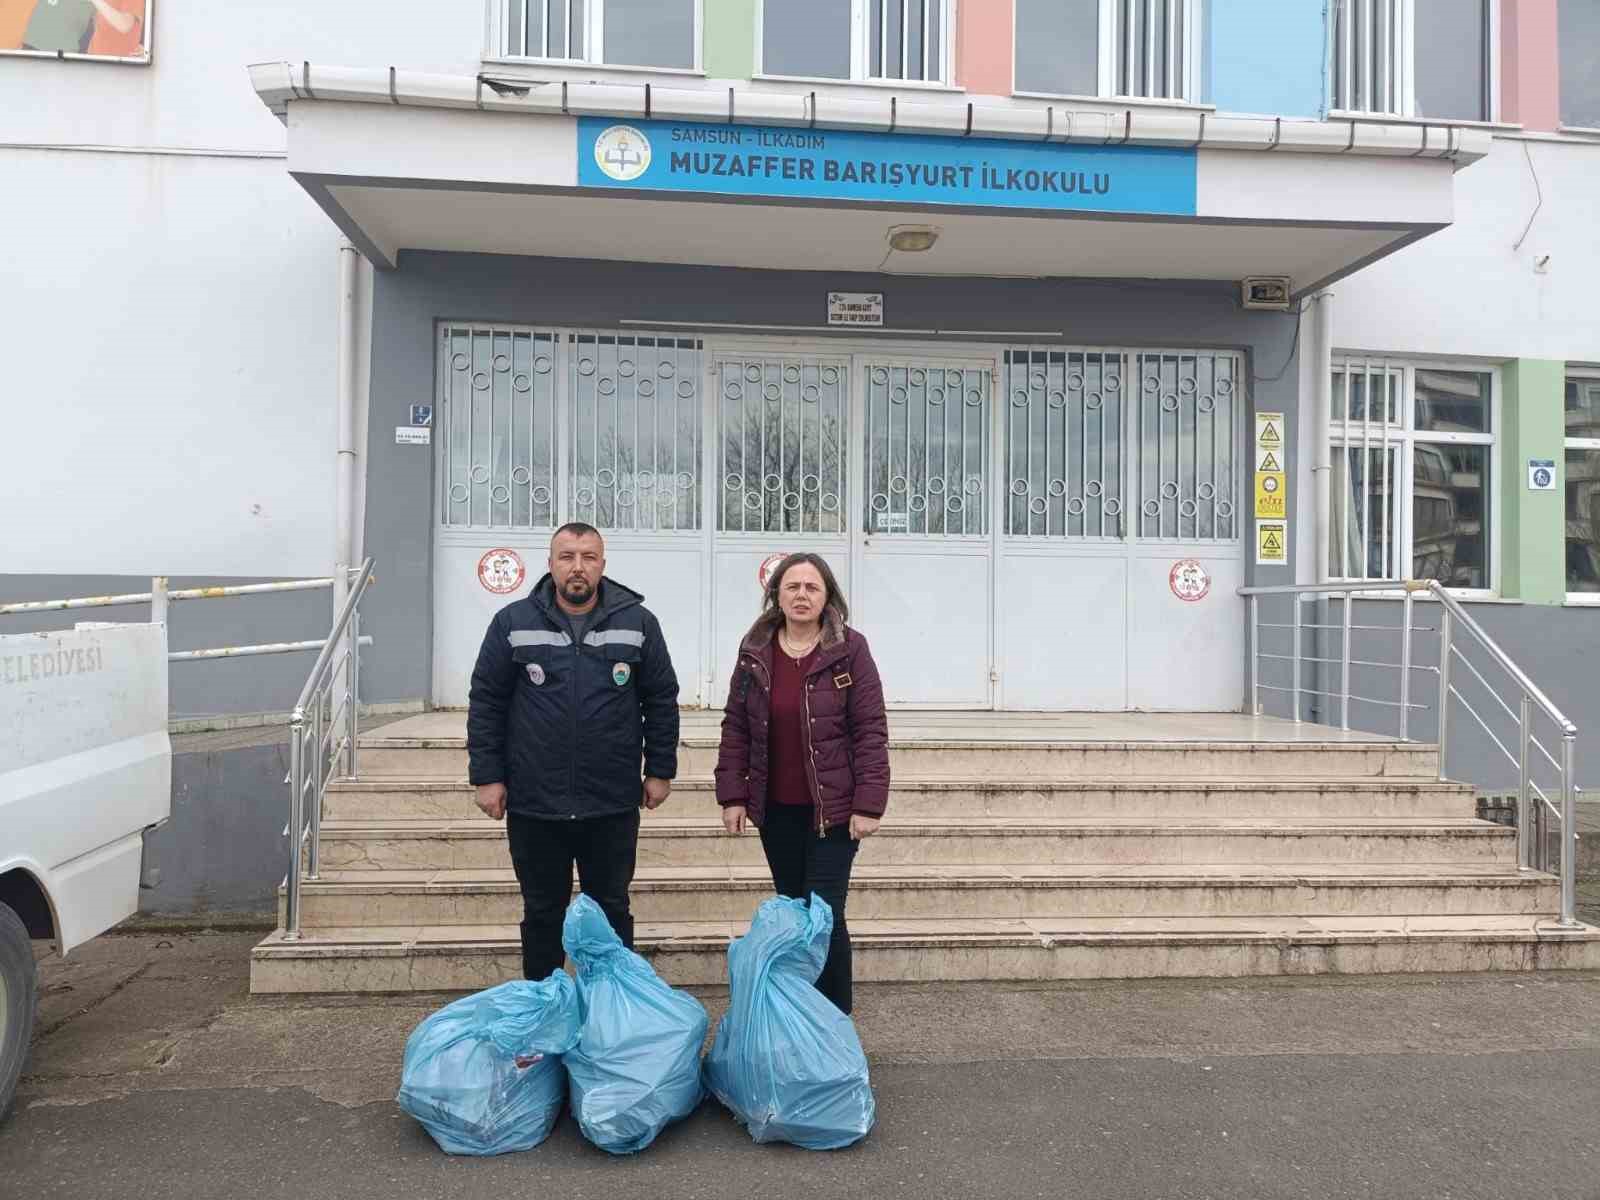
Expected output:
(280, 84)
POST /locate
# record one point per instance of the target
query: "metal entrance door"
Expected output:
(783, 425)
(1118, 466)
(537, 427)
(924, 542)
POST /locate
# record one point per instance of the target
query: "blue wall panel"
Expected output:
(1266, 56)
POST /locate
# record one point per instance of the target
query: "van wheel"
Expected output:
(18, 1002)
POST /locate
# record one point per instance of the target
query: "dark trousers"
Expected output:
(543, 851)
(802, 863)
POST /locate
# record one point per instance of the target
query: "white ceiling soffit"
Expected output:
(843, 239)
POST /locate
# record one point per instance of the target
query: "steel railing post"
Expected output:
(1525, 822)
(1569, 829)
(319, 764)
(1295, 625)
(158, 600)
(297, 782)
(1407, 613)
(1255, 656)
(353, 701)
(1344, 668)
(1446, 649)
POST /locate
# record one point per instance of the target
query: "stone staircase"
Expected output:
(1017, 847)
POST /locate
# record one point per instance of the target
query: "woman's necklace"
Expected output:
(789, 647)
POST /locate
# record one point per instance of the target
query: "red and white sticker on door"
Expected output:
(501, 571)
(1189, 580)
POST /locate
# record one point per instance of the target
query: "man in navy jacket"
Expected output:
(572, 725)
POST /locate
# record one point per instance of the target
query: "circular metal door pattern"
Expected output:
(501, 571)
(1189, 580)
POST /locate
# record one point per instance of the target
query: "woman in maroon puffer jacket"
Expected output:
(805, 746)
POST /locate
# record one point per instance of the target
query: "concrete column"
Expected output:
(1532, 529)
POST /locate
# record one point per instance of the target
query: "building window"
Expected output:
(1114, 48)
(1413, 469)
(1414, 58)
(1580, 63)
(902, 40)
(1582, 410)
(622, 33)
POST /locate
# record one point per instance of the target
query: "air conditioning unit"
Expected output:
(1269, 292)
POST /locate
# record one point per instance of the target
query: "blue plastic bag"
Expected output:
(636, 1067)
(786, 1061)
(484, 1074)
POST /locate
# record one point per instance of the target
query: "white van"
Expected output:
(85, 770)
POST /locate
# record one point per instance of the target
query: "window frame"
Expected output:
(1403, 437)
(499, 33)
(1589, 599)
(1405, 45)
(861, 50)
(1108, 56)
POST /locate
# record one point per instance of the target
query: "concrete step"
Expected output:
(885, 892)
(1015, 758)
(666, 842)
(695, 953)
(936, 841)
(995, 796)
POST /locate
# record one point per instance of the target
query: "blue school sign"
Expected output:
(823, 164)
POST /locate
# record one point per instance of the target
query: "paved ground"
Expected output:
(156, 1074)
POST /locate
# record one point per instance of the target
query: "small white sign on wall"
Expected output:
(855, 308)
(1541, 474)
(413, 435)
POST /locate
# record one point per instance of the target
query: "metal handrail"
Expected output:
(160, 596)
(330, 741)
(1533, 801)
(159, 588)
(1488, 643)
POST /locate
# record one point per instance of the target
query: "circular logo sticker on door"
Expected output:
(769, 564)
(1189, 581)
(501, 571)
(623, 153)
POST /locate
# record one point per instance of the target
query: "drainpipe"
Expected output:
(345, 463)
(1321, 409)
(1322, 491)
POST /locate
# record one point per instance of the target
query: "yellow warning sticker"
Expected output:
(1272, 494)
(1269, 431)
(1269, 460)
(1272, 543)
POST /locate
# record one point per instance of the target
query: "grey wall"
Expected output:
(428, 287)
(260, 684)
(1558, 647)
(223, 852)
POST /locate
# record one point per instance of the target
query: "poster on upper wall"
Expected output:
(103, 30)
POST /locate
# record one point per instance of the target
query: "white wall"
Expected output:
(1465, 290)
(169, 380)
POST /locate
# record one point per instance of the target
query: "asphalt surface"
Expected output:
(156, 1074)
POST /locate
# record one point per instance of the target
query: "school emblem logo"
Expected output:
(621, 673)
(501, 571)
(535, 674)
(623, 153)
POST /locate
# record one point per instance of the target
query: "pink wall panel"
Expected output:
(983, 46)
(1530, 71)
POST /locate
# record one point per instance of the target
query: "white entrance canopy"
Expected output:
(409, 161)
